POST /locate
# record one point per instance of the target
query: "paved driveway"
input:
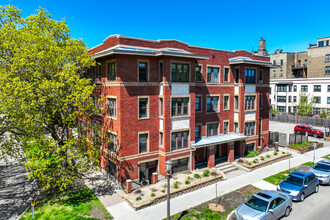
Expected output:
(15, 191)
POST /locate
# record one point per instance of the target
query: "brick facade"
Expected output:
(127, 90)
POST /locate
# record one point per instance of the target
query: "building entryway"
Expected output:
(146, 170)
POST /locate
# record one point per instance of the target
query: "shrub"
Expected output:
(255, 161)
(257, 153)
(252, 154)
(250, 164)
(197, 176)
(153, 194)
(165, 185)
(275, 153)
(138, 198)
(262, 158)
(283, 152)
(142, 194)
(163, 190)
(187, 182)
(206, 173)
(268, 156)
(176, 185)
(188, 177)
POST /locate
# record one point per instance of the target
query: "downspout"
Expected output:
(191, 150)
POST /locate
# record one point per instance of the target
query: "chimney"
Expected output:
(262, 47)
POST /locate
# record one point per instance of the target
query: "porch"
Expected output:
(215, 150)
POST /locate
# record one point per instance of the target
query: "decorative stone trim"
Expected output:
(266, 163)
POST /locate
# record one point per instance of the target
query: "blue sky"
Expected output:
(289, 25)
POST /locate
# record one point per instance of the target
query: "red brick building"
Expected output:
(166, 99)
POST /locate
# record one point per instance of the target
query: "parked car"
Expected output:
(264, 205)
(322, 171)
(302, 129)
(299, 185)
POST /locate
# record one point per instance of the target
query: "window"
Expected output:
(226, 75)
(198, 103)
(212, 129)
(289, 109)
(281, 98)
(112, 142)
(250, 76)
(180, 106)
(317, 99)
(274, 73)
(249, 128)
(290, 99)
(261, 101)
(180, 165)
(295, 88)
(281, 88)
(161, 138)
(304, 88)
(179, 140)
(260, 76)
(327, 70)
(236, 127)
(299, 62)
(198, 73)
(112, 107)
(143, 107)
(290, 88)
(249, 102)
(321, 43)
(236, 102)
(328, 101)
(143, 72)
(99, 72)
(316, 111)
(212, 104)
(143, 143)
(281, 73)
(111, 71)
(270, 90)
(328, 88)
(327, 43)
(198, 132)
(317, 88)
(294, 109)
(212, 74)
(274, 62)
(226, 102)
(327, 58)
(281, 62)
(225, 127)
(180, 72)
(161, 71)
(237, 75)
(161, 107)
(112, 168)
(281, 108)
(305, 62)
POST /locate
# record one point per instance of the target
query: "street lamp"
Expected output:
(314, 153)
(168, 168)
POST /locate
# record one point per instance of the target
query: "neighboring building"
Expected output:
(308, 69)
(165, 99)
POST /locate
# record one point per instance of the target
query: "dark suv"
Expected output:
(302, 129)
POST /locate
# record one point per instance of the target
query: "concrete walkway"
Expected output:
(120, 210)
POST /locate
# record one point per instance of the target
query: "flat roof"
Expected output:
(132, 50)
(220, 139)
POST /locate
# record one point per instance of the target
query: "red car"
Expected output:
(302, 129)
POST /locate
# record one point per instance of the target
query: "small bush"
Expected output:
(255, 161)
(153, 194)
(138, 198)
(283, 152)
(187, 182)
(142, 194)
(165, 185)
(268, 156)
(197, 176)
(188, 177)
(275, 153)
(252, 154)
(206, 173)
(257, 153)
(250, 164)
(176, 185)
(262, 158)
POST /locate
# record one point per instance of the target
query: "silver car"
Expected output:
(264, 205)
(322, 171)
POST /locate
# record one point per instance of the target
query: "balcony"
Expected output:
(299, 66)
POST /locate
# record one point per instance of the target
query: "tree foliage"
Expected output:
(306, 104)
(42, 85)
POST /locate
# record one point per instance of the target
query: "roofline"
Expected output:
(168, 40)
(250, 61)
(322, 38)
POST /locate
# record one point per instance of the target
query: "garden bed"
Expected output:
(305, 146)
(263, 159)
(180, 183)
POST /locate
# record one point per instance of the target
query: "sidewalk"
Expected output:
(122, 211)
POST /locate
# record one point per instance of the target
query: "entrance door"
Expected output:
(150, 171)
(217, 151)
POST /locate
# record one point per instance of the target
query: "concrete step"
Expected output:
(221, 167)
(229, 169)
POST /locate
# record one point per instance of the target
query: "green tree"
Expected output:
(42, 84)
(306, 104)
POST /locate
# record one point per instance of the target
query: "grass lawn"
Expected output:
(78, 203)
(218, 208)
(327, 157)
(309, 163)
(277, 178)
